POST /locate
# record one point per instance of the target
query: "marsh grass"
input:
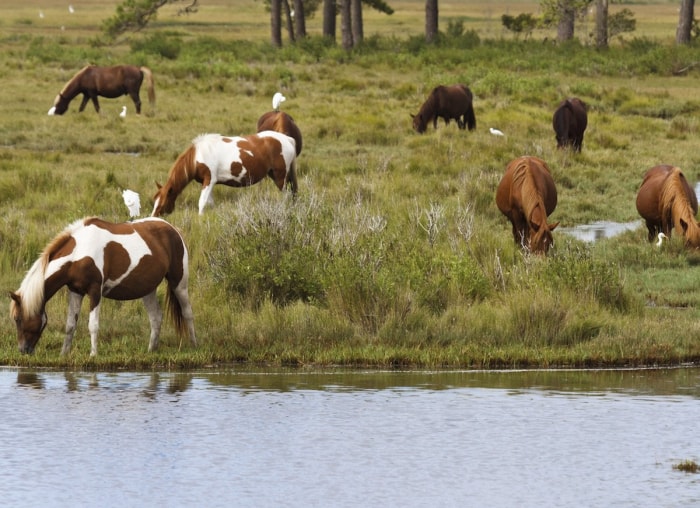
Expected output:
(393, 253)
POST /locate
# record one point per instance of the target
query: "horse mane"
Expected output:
(32, 287)
(429, 108)
(531, 198)
(179, 175)
(674, 201)
(73, 79)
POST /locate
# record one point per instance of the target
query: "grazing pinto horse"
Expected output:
(569, 122)
(527, 195)
(111, 82)
(229, 160)
(446, 102)
(665, 201)
(97, 258)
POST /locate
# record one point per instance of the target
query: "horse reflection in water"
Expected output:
(527, 195)
(666, 201)
(97, 258)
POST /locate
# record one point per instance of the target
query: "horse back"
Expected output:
(649, 197)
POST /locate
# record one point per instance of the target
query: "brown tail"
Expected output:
(148, 76)
(175, 311)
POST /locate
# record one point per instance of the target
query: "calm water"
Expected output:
(536, 438)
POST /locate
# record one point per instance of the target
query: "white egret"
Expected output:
(495, 132)
(277, 99)
(70, 9)
(52, 110)
(661, 237)
(132, 202)
(123, 113)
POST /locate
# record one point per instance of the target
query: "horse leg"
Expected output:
(84, 102)
(184, 299)
(205, 197)
(74, 301)
(94, 325)
(137, 101)
(155, 316)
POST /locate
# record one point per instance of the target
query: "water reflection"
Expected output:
(600, 230)
(349, 438)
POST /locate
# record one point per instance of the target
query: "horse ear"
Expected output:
(684, 225)
(15, 297)
(158, 185)
(412, 115)
(552, 227)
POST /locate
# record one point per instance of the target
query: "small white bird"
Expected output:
(41, 14)
(70, 9)
(661, 237)
(495, 132)
(277, 99)
(52, 110)
(132, 202)
(123, 113)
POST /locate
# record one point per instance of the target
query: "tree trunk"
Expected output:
(288, 17)
(346, 24)
(276, 22)
(685, 22)
(299, 18)
(431, 20)
(356, 16)
(601, 24)
(329, 18)
(567, 16)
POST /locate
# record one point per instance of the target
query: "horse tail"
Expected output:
(471, 119)
(148, 76)
(175, 310)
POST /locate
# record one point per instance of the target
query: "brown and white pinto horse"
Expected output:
(446, 102)
(570, 121)
(229, 160)
(527, 195)
(111, 82)
(97, 258)
(666, 201)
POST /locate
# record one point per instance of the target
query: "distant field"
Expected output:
(247, 19)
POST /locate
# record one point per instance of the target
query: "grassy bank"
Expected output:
(394, 252)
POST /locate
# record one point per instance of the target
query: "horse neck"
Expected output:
(72, 88)
(183, 170)
(531, 198)
(427, 110)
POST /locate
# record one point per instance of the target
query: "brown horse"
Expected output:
(527, 195)
(281, 122)
(111, 82)
(570, 121)
(446, 102)
(666, 201)
(97, 258)
(229, 160)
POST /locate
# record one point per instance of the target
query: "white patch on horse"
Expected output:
(91, 242)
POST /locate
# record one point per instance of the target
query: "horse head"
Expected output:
(29, 328)
(60, 105)
(164, 200)
(541, 237)
(419, 124)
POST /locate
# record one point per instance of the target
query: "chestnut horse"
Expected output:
(229, 160)
(446, 102)
(97, 258)
(666, 201)
(527, 195)
(281, 122)
(570, 121)
(111, 82)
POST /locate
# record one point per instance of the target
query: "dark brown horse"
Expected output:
(446, 102)
(229, 160)
(100, 259)
(111, 82)
(527, 195)
(570, 121)
(281, 122)
(666, 201)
